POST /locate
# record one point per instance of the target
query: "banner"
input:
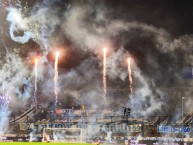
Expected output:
(171, 129)
(64, 111)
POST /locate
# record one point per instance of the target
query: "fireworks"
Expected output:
(5, 99)
(104, 73)
(10, 3)
(56, 77)
(35, 82)
(130, 76)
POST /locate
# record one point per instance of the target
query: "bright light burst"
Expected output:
(130, 76)
(35, 81)
(56, 77)
(104, 73)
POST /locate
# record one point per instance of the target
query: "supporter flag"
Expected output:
(187, 73)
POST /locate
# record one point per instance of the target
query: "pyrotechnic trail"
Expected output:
(130, 76)
(4, 110)
(35, 81)
(4, 101)
(104, 73)
(10, 3)
(56, 77)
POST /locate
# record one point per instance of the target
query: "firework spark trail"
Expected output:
(130, 76)
(104, 73)
(4, 111)
(35, 81)
(4, 101)
(56, 77)
(10, 3)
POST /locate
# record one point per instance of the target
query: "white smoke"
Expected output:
(109, 136)
(15, 79)
(18, 23)
(4, 111)
(39, 25)
(76, 29)
(115, 67)
(14, 73)
(144, 102)
(89, 37)
(32, 136)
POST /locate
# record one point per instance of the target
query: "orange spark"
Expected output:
(35, 81)
(56, 77)
(104, 73)
(130, 76)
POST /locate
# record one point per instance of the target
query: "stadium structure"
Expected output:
(99, 125)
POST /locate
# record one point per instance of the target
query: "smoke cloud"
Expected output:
(158, 56)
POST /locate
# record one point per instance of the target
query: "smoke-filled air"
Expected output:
(94, 54)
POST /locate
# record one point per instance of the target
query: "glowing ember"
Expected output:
(56, 77)
(130, 76)
(104, 73)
